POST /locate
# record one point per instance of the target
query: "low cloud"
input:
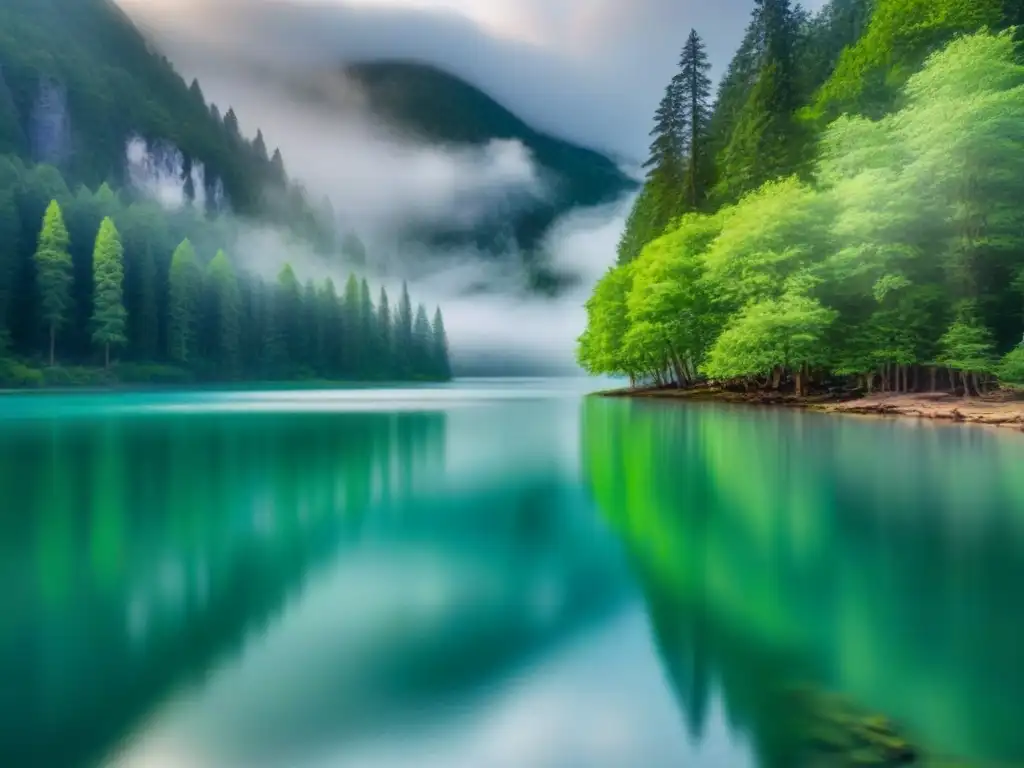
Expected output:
(253, 56)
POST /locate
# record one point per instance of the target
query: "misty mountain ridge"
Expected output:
(62, 61)
(429, 105)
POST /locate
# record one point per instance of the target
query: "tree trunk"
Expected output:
(934, 375)
(799, 379)
(682, 379)
(53, 343)
(776, 377)
(870, 379)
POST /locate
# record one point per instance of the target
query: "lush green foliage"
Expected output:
(109, 315)
(53, 270)
(903, 256)
(901, 34)
(78, 80)
(111, 273)
(169, 315)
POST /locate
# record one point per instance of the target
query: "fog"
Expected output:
(379, 181)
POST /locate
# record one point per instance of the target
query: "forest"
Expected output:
(101, 283)
(845, 213)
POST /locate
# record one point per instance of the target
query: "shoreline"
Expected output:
(1000, 409)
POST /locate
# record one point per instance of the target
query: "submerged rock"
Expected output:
(836, 733)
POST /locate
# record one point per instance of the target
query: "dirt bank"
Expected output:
(1000, 409)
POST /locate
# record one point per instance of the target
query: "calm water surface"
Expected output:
(494, 574)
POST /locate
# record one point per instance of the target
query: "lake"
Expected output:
(497, 573)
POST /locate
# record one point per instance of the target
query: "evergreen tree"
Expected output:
(109, 315)
(332, 330)
(288, 316)
(308, 338)
(222, 285)
(422, 352)
(385, 335)
(184, 295)
(353, 322)
(439, 344)
(259, 147)
(231, 124)
(666, 162)
(10, 232)
(53, 273)
(403, 333)
(735, 87)
(641, 226)
(368, 331)
(767, 141)
(277, 167)
(695, 107)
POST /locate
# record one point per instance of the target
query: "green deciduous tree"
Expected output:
(773, 336)
(109, 317)
(53, 273)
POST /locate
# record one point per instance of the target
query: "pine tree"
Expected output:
(10, 230)
(277, 167)
(695, 108)
(225, 301)
(666, 163)
(185, 289)
(307, 336)
(109, 316)
(196, 91)
(53, 273)
(767, 140)
(442, 368)
(146, 324)
(332, 332)
(368, 330)
(385, 335)
(403, 333)
(288, 316)
(354, 340)
(422, 352)
(231, 124)
(259, 147)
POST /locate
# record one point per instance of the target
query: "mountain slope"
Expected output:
(78, 79)
(433, 105)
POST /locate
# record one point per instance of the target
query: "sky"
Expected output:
(589, 70)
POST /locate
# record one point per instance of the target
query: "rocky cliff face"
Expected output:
(12, 137)
(162, 171)
(50, 124)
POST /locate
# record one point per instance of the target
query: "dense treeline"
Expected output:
(92, 273)
(90, 279)
(848, 208)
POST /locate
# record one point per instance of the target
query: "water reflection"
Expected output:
(190, 585)
(879, 559)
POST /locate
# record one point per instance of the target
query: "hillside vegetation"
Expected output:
(845, 214)
(95, 274)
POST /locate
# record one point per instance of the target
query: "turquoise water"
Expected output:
(494, 573)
